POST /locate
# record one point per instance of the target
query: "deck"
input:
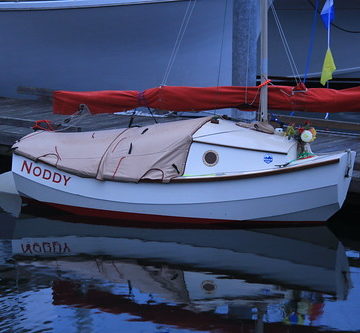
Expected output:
(17, 116)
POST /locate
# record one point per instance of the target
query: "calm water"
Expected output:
(61, 276)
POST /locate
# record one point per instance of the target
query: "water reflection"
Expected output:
(253, 280)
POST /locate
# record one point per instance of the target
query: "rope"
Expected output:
(328, 31)
(75, 118)
(247, 64)
(44, 125)
(184, 24)
(264, 83)
(222, 43)
(289, 55)
(312, 39)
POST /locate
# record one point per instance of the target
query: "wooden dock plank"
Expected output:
(322, 123)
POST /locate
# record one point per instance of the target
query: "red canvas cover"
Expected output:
(297, 98)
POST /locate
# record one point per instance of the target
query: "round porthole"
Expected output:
(208, 286)
(211, 158)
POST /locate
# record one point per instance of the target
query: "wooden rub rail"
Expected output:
(42, 92)
(322, 123)
(18, 122)
(9, 121)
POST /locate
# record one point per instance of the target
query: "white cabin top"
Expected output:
(227, 133)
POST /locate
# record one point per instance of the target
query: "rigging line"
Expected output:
(172, 55)
(175, 45)
(333, 24)
(184, 30)
(282, 38)
(177, 40)
(284, 42)
(312, 40)
(286, 46)
(221, 47)
(247, 63)
(292, 62)
(180, 40)
(222, 42)
(328, 31)
(180, 36)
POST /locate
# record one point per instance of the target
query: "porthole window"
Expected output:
(210, 158)
(208, 286)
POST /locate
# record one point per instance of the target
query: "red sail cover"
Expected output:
(297, 98)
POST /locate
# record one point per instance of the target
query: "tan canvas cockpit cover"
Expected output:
(156, 152)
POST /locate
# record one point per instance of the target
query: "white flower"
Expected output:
(306, 136)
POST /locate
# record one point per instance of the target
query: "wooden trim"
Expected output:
(19, 122)
(236, 147)
(35, 91)
(323, 123)
(256, 174)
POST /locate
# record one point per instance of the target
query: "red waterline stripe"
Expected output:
(169, 220)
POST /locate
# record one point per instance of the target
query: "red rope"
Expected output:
(264, 83)
(44, 125)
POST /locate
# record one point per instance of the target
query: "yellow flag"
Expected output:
(328, 67)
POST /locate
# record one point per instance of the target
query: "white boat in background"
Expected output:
(127, 44)
(113, 44)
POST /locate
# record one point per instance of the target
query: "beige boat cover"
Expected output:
(156, 152)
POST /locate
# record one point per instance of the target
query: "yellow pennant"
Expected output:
(328, 68)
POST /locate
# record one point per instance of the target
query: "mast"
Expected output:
(264, 6)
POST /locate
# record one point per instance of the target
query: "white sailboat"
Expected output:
(203, 170)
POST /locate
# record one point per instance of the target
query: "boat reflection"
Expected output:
(189, 278)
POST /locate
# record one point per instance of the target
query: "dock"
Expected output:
(18, 116)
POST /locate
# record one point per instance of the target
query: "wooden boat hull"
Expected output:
(312, 190)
